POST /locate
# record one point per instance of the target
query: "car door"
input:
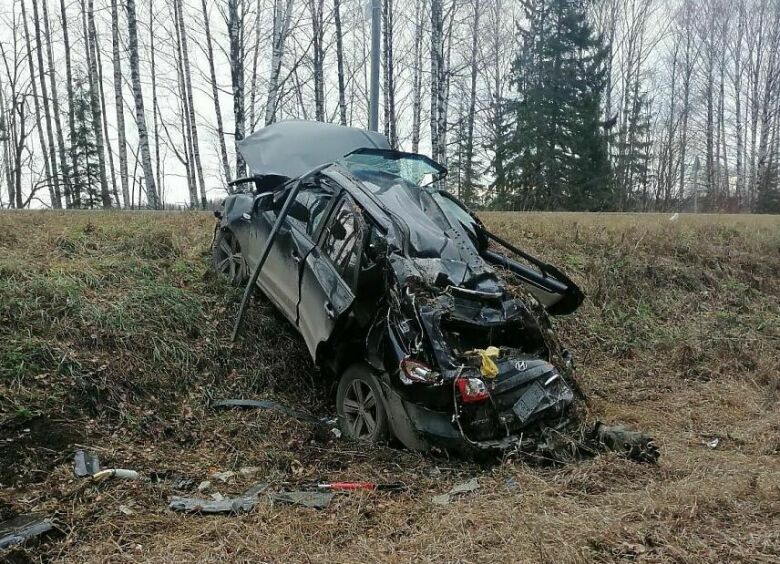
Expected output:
(329, 273)
(278, 280)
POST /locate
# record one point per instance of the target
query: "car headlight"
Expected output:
(416, 372)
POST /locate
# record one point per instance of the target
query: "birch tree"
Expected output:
(193, 128)
(119, 104)
(215, 94)
(140, 114)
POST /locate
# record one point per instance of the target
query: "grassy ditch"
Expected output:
(114, 336)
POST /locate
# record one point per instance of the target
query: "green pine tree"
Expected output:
(556, 153)
(87, 186)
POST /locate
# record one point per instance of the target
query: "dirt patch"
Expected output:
(32, 445)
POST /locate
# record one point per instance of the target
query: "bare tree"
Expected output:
(87, 11)
(235, 27)
(55, 100)
(185, 61)
(140, 114)
(42, 68)
(38, 119)
(389, 74)
(340, 62)
(417, 74)
(76, 181)
(468, 156)
(283, 13)
(437, 81)
(119, 104)
(215, 93)
(316, 9)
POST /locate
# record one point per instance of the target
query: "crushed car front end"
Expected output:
(468, 358)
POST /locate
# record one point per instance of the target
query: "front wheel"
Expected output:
(227, 259)
(360, 407)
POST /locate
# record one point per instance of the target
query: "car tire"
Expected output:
(360, 406)
(226, 258)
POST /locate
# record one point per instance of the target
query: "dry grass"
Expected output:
(113, 336)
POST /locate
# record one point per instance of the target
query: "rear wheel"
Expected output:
(360, 406)
(227, 258)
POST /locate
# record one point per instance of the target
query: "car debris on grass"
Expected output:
(466, 487)
(22, 528)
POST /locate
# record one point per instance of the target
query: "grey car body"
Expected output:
(399, 289)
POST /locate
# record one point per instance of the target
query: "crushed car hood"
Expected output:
(292, 148)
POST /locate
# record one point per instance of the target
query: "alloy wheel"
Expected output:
(360, 409)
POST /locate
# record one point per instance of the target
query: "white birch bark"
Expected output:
(119, 105)
(140, 114)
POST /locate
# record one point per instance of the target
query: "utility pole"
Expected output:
(376, 19)
(696, 185)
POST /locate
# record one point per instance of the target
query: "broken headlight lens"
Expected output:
(472, 390)
(415, 372)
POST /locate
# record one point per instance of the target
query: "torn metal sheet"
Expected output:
(225, 505)
(22, 528)
(266, 404)
(466, 487)
(85, 464)
(632, 444)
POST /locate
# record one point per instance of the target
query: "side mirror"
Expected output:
(299, 211)
(263, 202)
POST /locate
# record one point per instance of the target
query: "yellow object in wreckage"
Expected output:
(489, 368)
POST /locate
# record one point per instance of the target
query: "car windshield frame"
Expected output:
(411, 167)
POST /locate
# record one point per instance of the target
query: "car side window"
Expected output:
(342, 238)
(308, 209)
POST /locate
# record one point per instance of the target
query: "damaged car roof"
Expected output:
(294, 147)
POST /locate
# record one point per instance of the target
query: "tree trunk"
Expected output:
(55, 177)
(340, 62)
(66, 180)
(190, 106)
(38, 120)
(155, 111)
(253, 83)
(97, 115)
(417, 75)
(437, 82)
(184, 113)
(318, 38)
(390, 117)
(215, 94)
(140, 116)
(119, 103)
(468, 166)
(104, 113)
(738, 98)
(281, 30)
(76, 180)
(235, 25)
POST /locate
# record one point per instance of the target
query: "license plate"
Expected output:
(528, 403)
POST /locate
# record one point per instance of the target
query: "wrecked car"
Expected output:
(436, 330)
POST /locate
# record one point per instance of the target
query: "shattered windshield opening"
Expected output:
(416, 169)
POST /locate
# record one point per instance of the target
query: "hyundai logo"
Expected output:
(520, 365)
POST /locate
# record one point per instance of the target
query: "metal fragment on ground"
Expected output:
(22, 528)
(226, 505)
(316, 500)
(465, 487)
(267, 404)
(255, 490)
(85, 464)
